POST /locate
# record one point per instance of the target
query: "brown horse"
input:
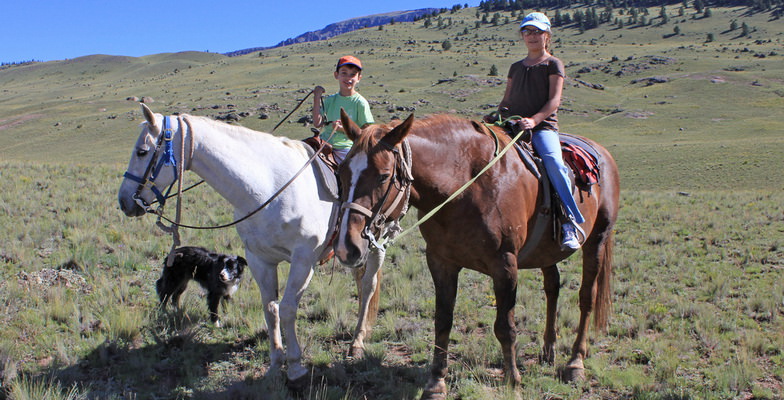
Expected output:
(485, 228)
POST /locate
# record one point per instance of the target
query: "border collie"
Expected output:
(218, 274)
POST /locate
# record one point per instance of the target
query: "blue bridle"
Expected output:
(154, 168)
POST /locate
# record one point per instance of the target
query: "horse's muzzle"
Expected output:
(350, 255)
(130, 208)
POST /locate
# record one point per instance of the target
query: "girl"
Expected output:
(533, 91)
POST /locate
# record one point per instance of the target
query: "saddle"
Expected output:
(327, 168)
(583, 161)
(325, 164)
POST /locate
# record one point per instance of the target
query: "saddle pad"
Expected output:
(327, 177)
(325, 165)
(582, 158)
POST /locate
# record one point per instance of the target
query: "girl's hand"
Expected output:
(527, 123)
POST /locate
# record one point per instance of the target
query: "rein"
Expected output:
(292, 111)
(169, 196)
(148, 179)
(260, 207)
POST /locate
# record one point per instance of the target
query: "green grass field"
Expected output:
(699, 300)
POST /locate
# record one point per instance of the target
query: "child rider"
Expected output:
(348, 73)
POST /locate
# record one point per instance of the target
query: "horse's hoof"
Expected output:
(513, 378)
(428, 395)
(356, 353)
(435, 390)
(573, 374)
(298, 385)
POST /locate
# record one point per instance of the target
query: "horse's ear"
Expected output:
(148, 115)
(350, 128)
(397, 135)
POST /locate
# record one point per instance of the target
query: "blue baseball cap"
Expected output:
(536, 19)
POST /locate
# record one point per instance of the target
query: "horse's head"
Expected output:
(151, 169)
(374, 180)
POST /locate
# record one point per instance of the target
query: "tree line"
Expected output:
(775, 6)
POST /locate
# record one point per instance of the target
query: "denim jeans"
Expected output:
(548, 146)
(340, 154)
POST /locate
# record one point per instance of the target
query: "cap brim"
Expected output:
(348, 63)
(536, 24)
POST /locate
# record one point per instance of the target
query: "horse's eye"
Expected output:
(141, 153)
(383, 178)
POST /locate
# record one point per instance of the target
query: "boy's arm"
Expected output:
(318, 117)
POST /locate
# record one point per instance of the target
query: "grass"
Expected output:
(698, 309)
(699, 305)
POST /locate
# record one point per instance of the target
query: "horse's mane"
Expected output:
(433, 126)
(241, 131)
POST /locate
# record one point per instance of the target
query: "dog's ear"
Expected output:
(242, 261)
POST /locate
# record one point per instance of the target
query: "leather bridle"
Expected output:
(380, 225)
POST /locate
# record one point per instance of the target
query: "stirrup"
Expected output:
(580, 233)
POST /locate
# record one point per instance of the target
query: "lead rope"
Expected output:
(458, 191)
(174, 228)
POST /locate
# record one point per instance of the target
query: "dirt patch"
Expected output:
(638, 114)
(52, 277)
(12, 122)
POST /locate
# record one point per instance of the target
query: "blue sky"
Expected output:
(59, 29)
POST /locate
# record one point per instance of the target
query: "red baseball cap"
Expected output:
(349, 60)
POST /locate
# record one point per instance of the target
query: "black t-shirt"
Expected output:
(530, 90)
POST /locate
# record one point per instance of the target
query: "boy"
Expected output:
(348, 73)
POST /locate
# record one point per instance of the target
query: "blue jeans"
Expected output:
(548, 146)
(340, 154)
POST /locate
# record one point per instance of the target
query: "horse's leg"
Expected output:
(300, 273)
(597, 274)
(552, 286)
(266, 276)
(505, 289)
(368, 282)
(445, 281)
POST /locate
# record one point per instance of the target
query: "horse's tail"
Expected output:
(603, 306)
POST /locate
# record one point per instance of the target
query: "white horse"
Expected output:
(247, 167)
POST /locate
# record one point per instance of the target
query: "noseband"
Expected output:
(378, 220)
(157, 163)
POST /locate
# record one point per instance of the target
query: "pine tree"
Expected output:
(493, 70)
(446, 45)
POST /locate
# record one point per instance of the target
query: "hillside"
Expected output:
(690, 105)
(346, 26)
(657, 99)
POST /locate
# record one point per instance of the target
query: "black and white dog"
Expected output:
(218, 274)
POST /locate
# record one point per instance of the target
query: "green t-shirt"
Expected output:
(356, 107)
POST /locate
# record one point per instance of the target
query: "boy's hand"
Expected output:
(318, 91)
(338, 126)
